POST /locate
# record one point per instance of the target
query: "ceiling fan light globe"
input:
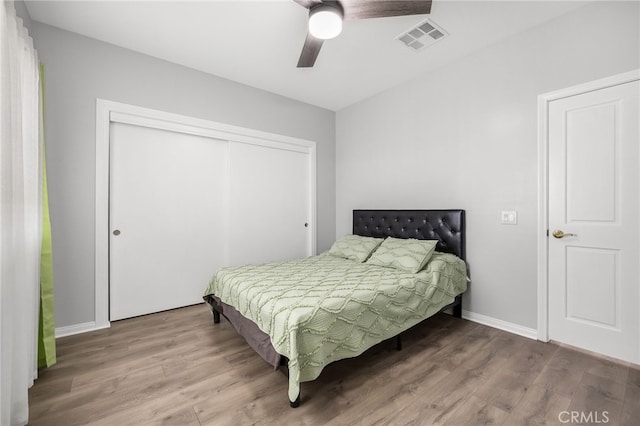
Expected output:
(325, 23)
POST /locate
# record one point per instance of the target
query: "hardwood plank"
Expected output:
(540, 405)
(160, 411)
(599, 396)
(617, 372)
(437, 401)
(563, 372)
(60, 384)
(381, 398)
(631, 407)
(177, 368)
(507, 387)
(477, 412)
(453, 355)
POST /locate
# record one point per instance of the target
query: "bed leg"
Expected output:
(457, 309)
(398, 343)
(296, 403)
(216, 317)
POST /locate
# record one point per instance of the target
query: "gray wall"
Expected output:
(79, 70)
(22, 12)
(465, 136)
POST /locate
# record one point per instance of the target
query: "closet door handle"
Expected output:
(116, 232)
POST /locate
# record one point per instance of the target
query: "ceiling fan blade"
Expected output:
(308, 3)
(310, 51)
(365, 9)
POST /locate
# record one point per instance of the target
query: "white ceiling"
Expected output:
(258, 42)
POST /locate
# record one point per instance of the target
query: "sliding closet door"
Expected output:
(270, 200)
(168, 193)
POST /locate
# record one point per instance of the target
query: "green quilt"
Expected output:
(324, 308)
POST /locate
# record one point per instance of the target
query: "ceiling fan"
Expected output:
(325, 19)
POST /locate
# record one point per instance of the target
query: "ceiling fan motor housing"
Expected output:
(325, 20)
(328, 5)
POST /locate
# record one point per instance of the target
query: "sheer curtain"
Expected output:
(20, 216)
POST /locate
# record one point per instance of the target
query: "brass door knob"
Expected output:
(560, 234)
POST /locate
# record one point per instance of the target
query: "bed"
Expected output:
(307, 313)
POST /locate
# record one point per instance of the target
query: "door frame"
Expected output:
(109, 111)
(543, 184)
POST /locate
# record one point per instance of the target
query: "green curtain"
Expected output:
(46, 328)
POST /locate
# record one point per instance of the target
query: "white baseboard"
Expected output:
(530, 333)
(468, 315)
(70, 330)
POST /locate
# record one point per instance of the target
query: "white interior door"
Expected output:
(593, 193)
(167, 218)
(269, 204)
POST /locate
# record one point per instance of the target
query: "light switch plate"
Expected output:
(509, 217)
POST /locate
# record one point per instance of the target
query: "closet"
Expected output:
(185, 201)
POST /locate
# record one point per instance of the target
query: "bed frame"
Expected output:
(446, 226)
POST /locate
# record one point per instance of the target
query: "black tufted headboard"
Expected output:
(446, 226)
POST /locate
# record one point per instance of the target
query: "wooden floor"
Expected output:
(177, 368)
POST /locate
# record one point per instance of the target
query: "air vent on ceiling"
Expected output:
(422, 35)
